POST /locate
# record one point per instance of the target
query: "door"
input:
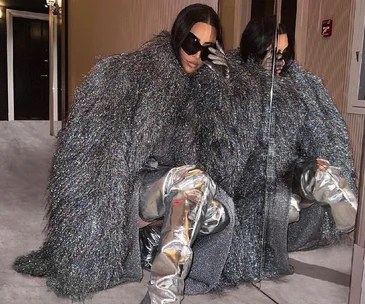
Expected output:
(31, 83)
(288, 12)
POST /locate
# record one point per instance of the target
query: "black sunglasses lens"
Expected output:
(205, 52)
(191, 44)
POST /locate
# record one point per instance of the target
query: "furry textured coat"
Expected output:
(132, 110)
(303, 123)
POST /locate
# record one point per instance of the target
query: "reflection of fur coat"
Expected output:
(304, 124)
(131, 108)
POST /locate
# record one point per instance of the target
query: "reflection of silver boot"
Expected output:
(187, 195)
(323, 183)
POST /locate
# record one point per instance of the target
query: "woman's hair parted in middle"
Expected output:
(258, 35)
(187, 18)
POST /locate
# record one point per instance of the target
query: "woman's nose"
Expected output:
(197, 55)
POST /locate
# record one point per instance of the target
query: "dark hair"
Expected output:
(258, 35)
(186, 19)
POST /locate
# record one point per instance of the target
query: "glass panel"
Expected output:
(299, 125)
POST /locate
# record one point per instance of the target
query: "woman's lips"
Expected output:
(192, 64)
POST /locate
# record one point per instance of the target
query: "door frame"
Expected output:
(10, 14)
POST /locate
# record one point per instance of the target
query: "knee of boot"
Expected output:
(215, 220)
(190, 179)
(178, 252)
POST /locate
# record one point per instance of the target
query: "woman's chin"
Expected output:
(189, 69)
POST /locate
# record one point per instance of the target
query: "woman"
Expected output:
(300, 138)
(138, 122)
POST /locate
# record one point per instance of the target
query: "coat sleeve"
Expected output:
(325, 133)
(222, 147)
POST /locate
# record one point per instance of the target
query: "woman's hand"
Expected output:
(279, 62)
(217, 61)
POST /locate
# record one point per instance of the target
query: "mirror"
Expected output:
(321, 31)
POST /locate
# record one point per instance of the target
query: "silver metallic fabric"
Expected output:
(153, 190)
(149, 238)
(294, 208)
(186, 203)
(267, 62)
(324, 183)
(215, 220)
(217, 60)
(186, 195)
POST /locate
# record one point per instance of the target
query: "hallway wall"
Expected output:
(120, 26)
(330, 59)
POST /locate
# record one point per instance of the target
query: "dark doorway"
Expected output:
(31, 82)
(261, 8)
(289, 16)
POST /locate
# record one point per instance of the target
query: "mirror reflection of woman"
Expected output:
(131, 154)
(298, 186)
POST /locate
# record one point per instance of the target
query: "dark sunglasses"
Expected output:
(191, 46)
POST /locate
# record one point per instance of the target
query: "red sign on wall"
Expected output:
(327, 28)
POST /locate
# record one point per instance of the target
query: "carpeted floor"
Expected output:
(26, 149)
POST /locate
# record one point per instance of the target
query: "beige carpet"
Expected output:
(26, 149)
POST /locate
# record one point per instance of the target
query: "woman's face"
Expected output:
(283, 42)
(206, 34)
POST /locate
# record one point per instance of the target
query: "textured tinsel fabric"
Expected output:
(336, 146)
(132, 109)
(304, 124)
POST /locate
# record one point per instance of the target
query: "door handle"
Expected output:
(44, 75)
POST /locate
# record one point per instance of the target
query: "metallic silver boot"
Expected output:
(324, 183)
(187, 194)
(215, 220)
(294, 208)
